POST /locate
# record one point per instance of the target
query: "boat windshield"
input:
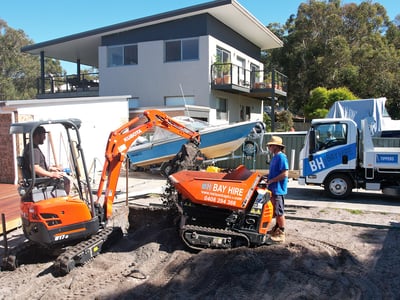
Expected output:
(193, 124)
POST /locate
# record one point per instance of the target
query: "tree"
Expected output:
(285, 119)
(321, 99)
(19, 71)
(330, 45)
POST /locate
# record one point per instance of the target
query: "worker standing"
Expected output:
(277, 184)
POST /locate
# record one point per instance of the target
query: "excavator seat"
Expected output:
(45, 188)
(24, 172)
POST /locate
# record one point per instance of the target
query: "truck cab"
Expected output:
(340, 155)
(330, 149)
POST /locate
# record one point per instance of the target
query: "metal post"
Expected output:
(126, 181)
(42, 75)
(78, 69)
(3, 220)
(273, 101)
(293, 154)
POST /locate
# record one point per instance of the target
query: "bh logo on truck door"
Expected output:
(329, 159)
(317, 164)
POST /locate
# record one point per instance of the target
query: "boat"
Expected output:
(216, 141)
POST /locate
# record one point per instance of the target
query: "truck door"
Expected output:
(330, 149)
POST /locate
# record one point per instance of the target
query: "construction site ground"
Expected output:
(333, 250)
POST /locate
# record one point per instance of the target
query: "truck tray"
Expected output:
(228, 190)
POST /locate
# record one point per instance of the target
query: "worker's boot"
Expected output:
(271, 232)
(278, 236)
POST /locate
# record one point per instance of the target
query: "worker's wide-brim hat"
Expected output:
(276, 140)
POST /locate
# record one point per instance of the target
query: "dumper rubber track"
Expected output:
(84, 251)
(200, 238)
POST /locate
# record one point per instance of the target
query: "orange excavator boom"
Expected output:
(118, 145)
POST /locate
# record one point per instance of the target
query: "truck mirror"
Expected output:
(312, 141)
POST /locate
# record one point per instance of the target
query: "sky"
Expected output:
(46, 20)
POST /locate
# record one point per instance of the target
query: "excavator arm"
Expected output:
(118, 145)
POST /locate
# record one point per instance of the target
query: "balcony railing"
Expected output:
(68, 84)
(230, 76)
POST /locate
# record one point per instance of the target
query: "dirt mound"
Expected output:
(320, 260)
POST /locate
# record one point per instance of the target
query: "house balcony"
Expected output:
(258, 84)
(68, 86)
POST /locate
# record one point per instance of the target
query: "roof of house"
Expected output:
(84, 45)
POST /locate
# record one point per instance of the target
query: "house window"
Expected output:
(222, 113)
(242, 70)
(177, 101)
(122, 55)
(180, 50)
(245, 113)
(223, 56)
(223, 59)
(255, 73)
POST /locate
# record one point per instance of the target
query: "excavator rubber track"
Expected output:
(200, 238)
(84, 251)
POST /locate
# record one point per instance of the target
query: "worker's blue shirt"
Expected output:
(278, 164)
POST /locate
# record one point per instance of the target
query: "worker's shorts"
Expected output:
(278, 201)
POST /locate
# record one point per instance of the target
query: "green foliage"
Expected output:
(19, 71)
(285, 119)
(318, 99)
(327, 44)
(338, 94)
(267, 121)
(321, 99)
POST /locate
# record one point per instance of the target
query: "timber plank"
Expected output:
(9, 206)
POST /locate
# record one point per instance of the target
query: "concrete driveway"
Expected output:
(299, 195)
(141, 184)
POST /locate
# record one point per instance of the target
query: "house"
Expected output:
(202, 60)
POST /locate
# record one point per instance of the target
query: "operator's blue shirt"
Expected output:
(278, 164)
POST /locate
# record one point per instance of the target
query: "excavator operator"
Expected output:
(40, 166)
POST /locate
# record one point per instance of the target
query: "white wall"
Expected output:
(152, 79)
(99, 116)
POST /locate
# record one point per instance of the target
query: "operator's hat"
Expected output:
(276, 140)
(39, 130)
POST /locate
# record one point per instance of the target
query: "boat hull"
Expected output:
(215, 142)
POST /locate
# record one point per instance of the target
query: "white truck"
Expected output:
(356, 146)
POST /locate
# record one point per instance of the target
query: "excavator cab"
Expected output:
(49, 215)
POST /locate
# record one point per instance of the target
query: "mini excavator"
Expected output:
(74, 225)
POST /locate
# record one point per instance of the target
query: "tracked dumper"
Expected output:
(222, 210)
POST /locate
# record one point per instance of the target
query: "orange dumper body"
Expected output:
(223, 210)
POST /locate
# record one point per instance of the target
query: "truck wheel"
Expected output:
(338, 186)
